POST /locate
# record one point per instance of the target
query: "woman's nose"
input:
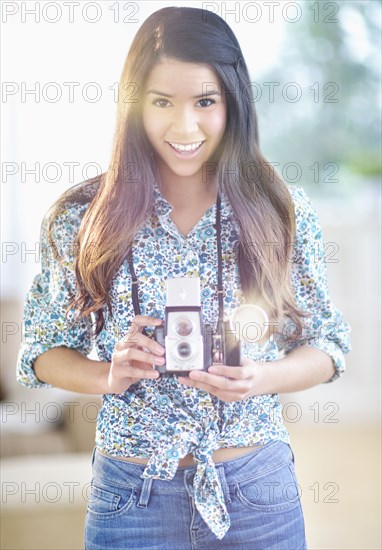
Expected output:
(185, 122)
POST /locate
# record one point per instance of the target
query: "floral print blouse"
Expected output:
(162, 420)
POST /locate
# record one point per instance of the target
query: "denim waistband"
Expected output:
(252, 465)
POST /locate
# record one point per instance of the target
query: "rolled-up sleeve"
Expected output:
(45, 324)
(325, 328)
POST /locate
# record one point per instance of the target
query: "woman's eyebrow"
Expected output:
(157, 92)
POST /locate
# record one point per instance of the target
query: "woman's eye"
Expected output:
(212, 101)
(161, 100)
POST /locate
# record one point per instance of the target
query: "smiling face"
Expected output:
(184, 117)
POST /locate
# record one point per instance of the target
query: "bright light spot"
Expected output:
(250, 323)
(356, 34)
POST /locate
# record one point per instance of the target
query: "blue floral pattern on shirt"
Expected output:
(162, 420)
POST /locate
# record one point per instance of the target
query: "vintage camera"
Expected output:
(189, 343)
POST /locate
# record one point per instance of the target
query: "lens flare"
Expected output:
(250, 323)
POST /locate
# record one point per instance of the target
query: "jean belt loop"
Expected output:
(292, 454)
(223, 483)
(93, 454)
(145, 492)
(188, 479)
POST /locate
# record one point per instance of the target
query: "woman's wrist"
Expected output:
(265, 379)
(102, 379)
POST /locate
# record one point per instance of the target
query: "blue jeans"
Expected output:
(261, 495)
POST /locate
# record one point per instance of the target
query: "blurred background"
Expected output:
(316, 74)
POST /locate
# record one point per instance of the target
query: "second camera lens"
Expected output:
(184, 350)
(183, 326)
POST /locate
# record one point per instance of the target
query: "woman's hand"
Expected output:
(228, 383)
(135, 356)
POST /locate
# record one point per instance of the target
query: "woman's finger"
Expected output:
(129, 355)
(139, 371)
(141, 321)
(236, 373)
(139, 339)
(133, 336)
(216, 381)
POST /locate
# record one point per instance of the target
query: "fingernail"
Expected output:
(159, 349)
(159, 360)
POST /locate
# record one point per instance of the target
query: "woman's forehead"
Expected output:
(175, 76)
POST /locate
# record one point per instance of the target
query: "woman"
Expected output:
(198, 461)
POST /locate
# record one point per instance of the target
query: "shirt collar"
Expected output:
(163, 208)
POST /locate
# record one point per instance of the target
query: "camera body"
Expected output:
(189, 343)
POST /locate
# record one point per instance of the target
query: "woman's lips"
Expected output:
(185, 154)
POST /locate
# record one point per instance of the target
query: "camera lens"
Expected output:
(184, 350)
(183, 326)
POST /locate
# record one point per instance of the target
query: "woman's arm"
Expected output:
(70, 370)
(45, 323)
(132, 360)
(54, 348)
(302, 368)
(325, 329)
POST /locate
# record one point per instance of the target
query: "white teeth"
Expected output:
(190, 147)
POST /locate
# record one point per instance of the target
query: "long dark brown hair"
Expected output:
(123, 196)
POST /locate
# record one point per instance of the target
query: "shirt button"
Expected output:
(190, 255)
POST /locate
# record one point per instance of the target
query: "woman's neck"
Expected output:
(187, 192)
